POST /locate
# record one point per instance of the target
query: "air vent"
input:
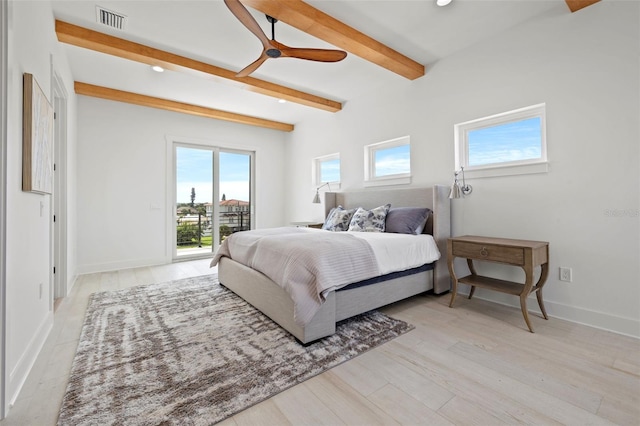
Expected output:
(110, 18)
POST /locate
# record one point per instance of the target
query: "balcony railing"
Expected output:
(194, 231)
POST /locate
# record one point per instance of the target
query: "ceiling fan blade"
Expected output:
(248, 21)
(319, 55)
(274, 49)
(252, 66)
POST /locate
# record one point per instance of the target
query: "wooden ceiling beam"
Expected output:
(575, 5)
(312, 21)
(104, 43)
(152, 102)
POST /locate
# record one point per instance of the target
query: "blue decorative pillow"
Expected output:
(369, 220)
(407, 220)
(338, 219)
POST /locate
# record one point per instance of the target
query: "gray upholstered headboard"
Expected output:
(439, 223)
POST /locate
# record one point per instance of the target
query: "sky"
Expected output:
(195, 170)
(515, 141)
(330, 170)
(519, 140)
(392, 161)
(389, 161)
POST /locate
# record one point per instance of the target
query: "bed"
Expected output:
(354, 298)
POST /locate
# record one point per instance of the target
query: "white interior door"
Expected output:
(59, 195)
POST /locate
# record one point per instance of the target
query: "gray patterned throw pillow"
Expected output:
(369, 220)
(338, 219)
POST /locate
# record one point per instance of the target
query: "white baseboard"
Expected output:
(601, 320)
(71, 282)
(19, 374)
(125, 264)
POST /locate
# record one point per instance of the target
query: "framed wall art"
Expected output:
(37, 139)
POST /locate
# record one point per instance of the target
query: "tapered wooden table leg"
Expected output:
(524, 253)
(525, 313)
(541, 304)
(544, 272)
(528, 285)
(472, 269)
(452, 274)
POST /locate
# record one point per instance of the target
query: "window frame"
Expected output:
(317, 170)
(370, 179)
(172, 143)
(536, 165)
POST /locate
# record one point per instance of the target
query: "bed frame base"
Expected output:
(273, 301)
(269, 298)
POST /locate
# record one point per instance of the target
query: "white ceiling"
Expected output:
(206, 30)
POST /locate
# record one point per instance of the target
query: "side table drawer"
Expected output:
(493, 253)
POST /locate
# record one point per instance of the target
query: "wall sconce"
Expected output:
(458, 191)
(316, 199)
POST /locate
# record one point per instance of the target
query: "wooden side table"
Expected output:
(317, 225)
(523, 253)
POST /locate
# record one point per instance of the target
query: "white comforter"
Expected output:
(398, 252)
(308, 263)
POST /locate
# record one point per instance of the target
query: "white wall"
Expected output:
(33, 48)
(122, 168)
(585, 67)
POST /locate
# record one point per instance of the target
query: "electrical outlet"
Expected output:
(565, 274)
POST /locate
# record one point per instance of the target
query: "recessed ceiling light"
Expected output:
(282, 101)
(443, 2)
(157, 68)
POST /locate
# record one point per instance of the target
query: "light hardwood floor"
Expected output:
(474, 364)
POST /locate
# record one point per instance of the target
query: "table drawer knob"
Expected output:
(484, 252)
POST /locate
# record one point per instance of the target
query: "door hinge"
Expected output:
(55, 115)
(54, 167)
(54, 218)
(54, 269)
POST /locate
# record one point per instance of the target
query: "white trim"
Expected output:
(170, 230)
(25, 364)
(512, 170)
(370, 163)
(596, 319)
(461, 146)
(215, 207)
(59, 206)
(388, 181)
(114, 266)
(316, 170)
(4, 69)
(215, 152)
(172, 142)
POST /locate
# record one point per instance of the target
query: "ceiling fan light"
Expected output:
(443, 2)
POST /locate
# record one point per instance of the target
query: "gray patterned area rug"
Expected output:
(192, 352)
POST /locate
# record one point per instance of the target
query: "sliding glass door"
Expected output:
(235, 193)
(204, 174)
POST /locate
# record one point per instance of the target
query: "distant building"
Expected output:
(235, 214)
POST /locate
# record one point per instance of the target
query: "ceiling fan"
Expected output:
(274, 49)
